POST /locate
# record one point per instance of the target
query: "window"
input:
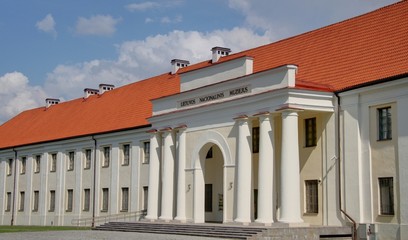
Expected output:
(9, 167)
(386, 195)
(71, 161)
(208, 198)
(312, 196)
(384, 124)
(146, 152)
(310, 132)
(52, 201)
(88, 157)
(106, 157)
(8, 202)
(125, 154)
(125, 199)
(145, 197)
(255, 140)
(70, 199)
(87, 199)
(209, 153)
(37, 164)
(53, 167)
(36, 201)
(23, 165)
(22, 197)
(105, 199)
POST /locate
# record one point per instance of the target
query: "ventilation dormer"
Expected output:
(218, 52)
(177, 64)
(51, 101)
(90, 91)
(105, 87)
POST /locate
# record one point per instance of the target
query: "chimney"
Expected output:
(105, 87)
(177, 64)
(51, 101)
(90, 91)
(218, 52)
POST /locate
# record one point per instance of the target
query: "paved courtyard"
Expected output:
(93, 235)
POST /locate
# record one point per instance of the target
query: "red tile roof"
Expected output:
(357, 51)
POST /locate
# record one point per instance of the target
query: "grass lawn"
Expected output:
(4, 229)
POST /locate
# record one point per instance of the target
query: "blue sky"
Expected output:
(55, 48)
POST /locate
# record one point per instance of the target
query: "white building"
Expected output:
(305, 131)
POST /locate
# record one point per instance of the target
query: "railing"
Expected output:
(126, 217)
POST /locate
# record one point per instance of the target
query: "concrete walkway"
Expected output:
(93, 235)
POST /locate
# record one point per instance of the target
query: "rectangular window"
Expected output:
(87, 199)
(88, 157)
(386, 195)
(125, 199)
(312, 196)
(384, 123)
(125, 154)
(37, 164)
(145, 197)
(8, 202)
(255, 140)
(146, 152)
(105, 199)
(208, 198)
(310, 132)
(36, 201)
(52, 201)
(70, 200)
(23, 165)
(106, 157)
(71, 161)
(9, 166)
(22, 198)
(53, 167)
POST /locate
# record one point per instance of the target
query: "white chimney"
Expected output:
(218, 52)
(90, 91)
(177, 64)
(105, 87)
(51, 101)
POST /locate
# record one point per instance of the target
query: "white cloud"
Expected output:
(101, 25)
(17, 95)
(141, 59)
(142, 6)
(167, 20)
(149, 20)
(47, 25)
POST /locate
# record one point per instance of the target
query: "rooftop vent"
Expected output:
(90, 91)
(51, 101)
(177, 64)
(105, 87)
(218, 52)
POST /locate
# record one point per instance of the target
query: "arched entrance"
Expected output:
(211, 160)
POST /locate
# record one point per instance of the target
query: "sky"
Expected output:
(56, 48)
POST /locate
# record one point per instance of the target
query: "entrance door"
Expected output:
(213, 177)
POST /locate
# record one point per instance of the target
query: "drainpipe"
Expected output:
(14, 187)
(94, 182)
(337, 124)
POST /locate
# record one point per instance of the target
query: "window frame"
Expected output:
(8, 202)
(208, 198)
(36, 200)
(145, 152)
(311, 196)
(106, 155)
(384, 121)
(71, 161)
(105, 200)
(125, 159)
(51, 207)
(87, 200)
(310, 132)
(23, 163)
(87, 159)
(125, 200)
(9, 167)
(70, 200)
(383, 202)
(37, 163)
(53, 163)
(21, 203)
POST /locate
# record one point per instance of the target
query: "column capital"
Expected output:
(241, 118)
(289, 108)
(181, 128)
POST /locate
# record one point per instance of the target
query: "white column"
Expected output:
(168, 176)
(266, 170)
(244, 171)
(154, 173)
(290, 175)
(181, 180)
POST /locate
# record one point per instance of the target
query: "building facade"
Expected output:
(306, 131)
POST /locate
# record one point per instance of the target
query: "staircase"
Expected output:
(204, 230)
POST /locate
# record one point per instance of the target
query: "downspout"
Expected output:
(94, 183)
(14, 187)
(337, 124)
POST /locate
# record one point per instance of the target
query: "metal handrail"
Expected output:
(128, 216)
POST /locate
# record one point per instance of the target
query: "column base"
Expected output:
(166, 219)
(242, 221)
(266, 222)
(181, 219)
(150, 218)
